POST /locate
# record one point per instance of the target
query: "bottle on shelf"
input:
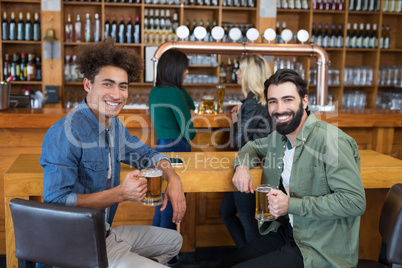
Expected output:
(97, 28)
(175, 25)
(334, 36)
(208, 35)
(283, 28)
(348, 36)
(360, 37)
(121, 31)
(23, 67)
(229, 69)
(366, 37)
(387, 38)
(74, 71)
(146, 25)
(278, 33)
(222, 73)
(157, 33)
(13, 28)
(151, 22)
(4, 27)
(28, 28)
(168, 26)
(107, 27)
(20, 28)
(373, 37)
(67, 69)
(162, 27)
(38, 69)
(77, 29)
(339, 39)
(129, 30)
(16, 67)
(69, 29)
(31, 66)
(234, 70)
(353, 37)
(36, 28)
(6, 67)
(137, 30)
(319, 40)
(192, 36)
(88, 29)
(113, 28)
(325, 36)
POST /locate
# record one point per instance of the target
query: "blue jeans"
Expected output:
(244, 228)
(164, 218)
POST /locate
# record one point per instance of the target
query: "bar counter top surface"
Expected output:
(46, 117)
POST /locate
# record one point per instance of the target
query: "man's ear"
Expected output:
(305, 101)
(87, 85)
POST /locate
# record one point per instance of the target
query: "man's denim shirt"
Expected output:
(75, 156)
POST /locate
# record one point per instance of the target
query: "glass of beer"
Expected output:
(261, 203)
(153, 197)
(220, 92)
(208, 104)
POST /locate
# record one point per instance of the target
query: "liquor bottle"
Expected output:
(207, 2)
(175, 25)
(339, 39)
(382, 37)
(151, 22)
(97, 28)
(387, 38)
(67, 69)
(74, 71)
(319, 40)
(348, 36)
(215, 2)
(278, 33)
(87, 32)
(122, 31)
(250, 3)
(283, 28)
(162, 27)
(168, 26)
(373, 37)
(358, 6)
(360, 37)
(6, 67)
(69, 29)
(4, 27)
(28, 28)
(284, 4)
(38, 69)
(222, 73)
(23, 67)
(226, 34)
(364, 5)
(229, 69)
(20, 28)
(291, 4)
(325, 36)
(36, 28)
(351, 5)
(15, 67)
(113, 29)
(208, 35)
(234, 70)
(146, 22)
(334, 36)
(192, 36)
(13, 28)
(156, 28)
(137, 30)
(129, 30)
(107, 27)
(353, 37)
(366, 37)
(371, 5)
(77, 29)
(304, 4)
(31, 66)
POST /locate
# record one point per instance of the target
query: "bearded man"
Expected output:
(319, 198)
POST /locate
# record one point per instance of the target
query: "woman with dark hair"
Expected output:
(172, 112)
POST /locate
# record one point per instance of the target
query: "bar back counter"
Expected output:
(378, 135)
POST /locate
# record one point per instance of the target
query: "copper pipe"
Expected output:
(267, 49)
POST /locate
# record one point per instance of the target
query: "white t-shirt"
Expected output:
(287, 169)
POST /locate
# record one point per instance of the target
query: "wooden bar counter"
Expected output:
(204, 172)
(22, 132)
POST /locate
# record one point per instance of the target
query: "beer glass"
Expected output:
(261, 203)
(153, 197)
(208, 104)
(220, 92)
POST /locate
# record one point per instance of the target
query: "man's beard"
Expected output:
(290, 126)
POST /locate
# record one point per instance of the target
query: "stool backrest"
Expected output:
(391, 224)
(58, 235)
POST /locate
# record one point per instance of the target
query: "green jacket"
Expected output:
(326, 191)
(170, 112)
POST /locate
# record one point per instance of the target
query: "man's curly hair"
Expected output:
(91, 58)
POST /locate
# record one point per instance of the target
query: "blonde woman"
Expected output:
(250, 121)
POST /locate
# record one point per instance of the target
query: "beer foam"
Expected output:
(151, 172)
(208, 97)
